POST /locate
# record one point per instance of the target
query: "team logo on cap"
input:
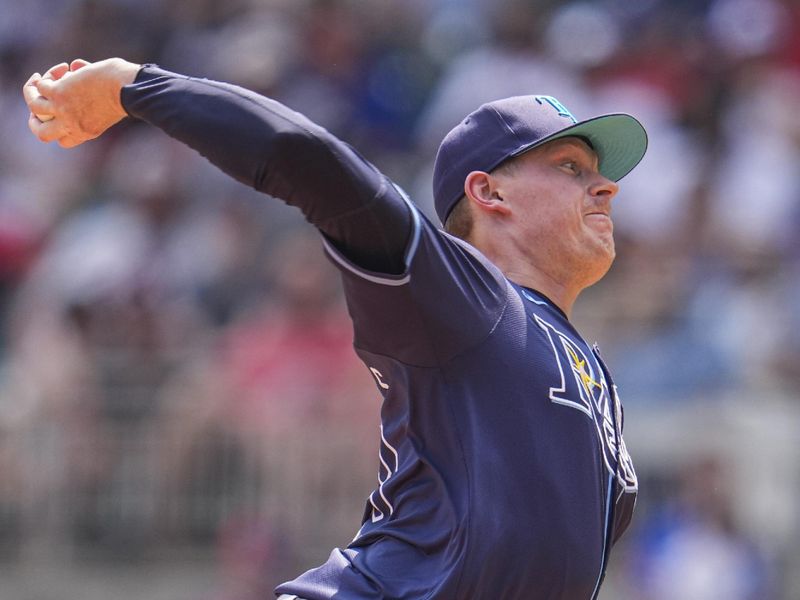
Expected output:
(560, 108)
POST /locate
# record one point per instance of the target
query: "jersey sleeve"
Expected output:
(414, 293)
(264, 144)
(448, 298)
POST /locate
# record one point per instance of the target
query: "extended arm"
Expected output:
(255, 140)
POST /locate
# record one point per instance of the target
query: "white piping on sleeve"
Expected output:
(411, 249)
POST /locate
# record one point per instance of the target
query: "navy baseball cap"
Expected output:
(506, 128)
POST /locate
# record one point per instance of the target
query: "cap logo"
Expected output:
(560, 108)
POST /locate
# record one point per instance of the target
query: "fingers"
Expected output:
(37, 104)
(40, 121)
(78, 63)
(45, 87)
(31, 80)
(80, 106)
(56, 72)
(45, 131)
(51, 132)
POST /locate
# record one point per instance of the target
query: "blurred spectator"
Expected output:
(284, 370)
(693, 548)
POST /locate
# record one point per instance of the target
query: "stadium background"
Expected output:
(180, 414)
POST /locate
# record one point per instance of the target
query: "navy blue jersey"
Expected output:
(502, 468)
(503, 473)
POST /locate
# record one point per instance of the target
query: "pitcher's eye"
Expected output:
(571, 165)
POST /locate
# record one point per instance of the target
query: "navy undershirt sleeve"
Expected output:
(275, 150)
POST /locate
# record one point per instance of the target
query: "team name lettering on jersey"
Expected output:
(583, 386)
(389, 463)
(379, 378)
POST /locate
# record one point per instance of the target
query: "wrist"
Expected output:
(121, 73)
(126, 71)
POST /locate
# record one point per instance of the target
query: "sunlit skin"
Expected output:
(546, 222)
(83, 105)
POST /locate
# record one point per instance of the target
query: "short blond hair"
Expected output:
(459, 222)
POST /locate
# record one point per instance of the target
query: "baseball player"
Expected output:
(502, 471)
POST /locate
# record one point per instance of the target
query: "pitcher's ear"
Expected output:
(482, 190)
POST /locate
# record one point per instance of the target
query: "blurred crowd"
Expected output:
(175, 357)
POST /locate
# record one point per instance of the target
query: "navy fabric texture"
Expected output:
(278, 151)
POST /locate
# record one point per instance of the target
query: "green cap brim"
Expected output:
(619, 140)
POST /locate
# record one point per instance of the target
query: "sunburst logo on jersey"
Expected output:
(580, 368)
